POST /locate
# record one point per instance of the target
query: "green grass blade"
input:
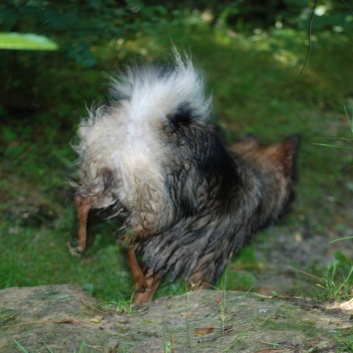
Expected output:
(339, 239)
(83, 345)
(48, 348)
(350, 121)
(19, 346)
(333, 146)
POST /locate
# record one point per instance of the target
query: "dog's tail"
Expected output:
(144, 97)
(159, 92)
(125, 138)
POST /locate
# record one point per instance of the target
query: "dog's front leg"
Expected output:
(83, 205)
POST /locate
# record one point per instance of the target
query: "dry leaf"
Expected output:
(202, 331)
(97, 319)
(190, 314)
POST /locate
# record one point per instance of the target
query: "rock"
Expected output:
(63, 318)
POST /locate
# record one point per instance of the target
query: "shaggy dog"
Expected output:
(188, 202)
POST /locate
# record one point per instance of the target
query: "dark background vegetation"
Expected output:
(252, 53)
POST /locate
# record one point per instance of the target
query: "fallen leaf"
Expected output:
(202, 331)
(190, 314)
(97, 319)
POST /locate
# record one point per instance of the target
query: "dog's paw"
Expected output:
(74, 248)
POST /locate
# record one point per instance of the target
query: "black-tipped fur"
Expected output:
(190, 203)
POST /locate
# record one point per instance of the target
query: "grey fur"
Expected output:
(190, 203)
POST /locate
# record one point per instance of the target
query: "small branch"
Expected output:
(347, 6)
(310, 33)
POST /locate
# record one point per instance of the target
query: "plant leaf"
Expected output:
(26, 41)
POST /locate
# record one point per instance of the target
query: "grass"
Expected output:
(337, 281)
(82, 348)
(344, 340)
(256, 86)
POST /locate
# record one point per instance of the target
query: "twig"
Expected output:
(310, 32)
(347, 6)
(303, 272)
(95, 309)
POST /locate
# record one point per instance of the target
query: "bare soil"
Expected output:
(64, 318)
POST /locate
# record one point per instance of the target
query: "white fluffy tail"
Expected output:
(157, 92)
(124, 140)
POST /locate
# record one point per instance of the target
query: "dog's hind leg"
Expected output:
(83, 205)
(152, 281)
(136, 271)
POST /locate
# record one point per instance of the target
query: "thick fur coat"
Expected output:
(188, 202)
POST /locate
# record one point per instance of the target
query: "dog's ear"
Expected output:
(286, 153)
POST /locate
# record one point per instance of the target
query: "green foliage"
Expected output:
(341, 142)
(343, 339)
(124, 306)
(338, 281)
(75, 26)
(81, 27)
(256, 85)
(84, 32)
(25, 42)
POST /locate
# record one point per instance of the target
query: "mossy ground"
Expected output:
(65, 319)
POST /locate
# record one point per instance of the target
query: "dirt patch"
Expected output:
(292, 259)
(64, 318)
